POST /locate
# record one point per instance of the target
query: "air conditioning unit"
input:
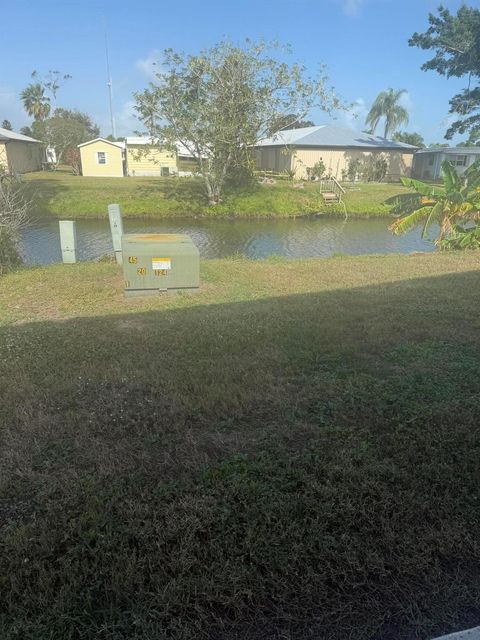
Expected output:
(156, 262)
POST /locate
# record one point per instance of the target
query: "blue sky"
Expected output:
(362, 42)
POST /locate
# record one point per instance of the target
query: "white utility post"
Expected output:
(116, 228)
(68, 241)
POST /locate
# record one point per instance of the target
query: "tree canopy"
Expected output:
(455, 41)
(222, 101)
(410, 138)
(66, 129)
(35, 102)
(6, 124)
(289, 121)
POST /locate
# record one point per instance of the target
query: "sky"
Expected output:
(363, 43)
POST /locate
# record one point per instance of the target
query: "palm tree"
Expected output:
(454, 207)
(387, 106)
(35, 102)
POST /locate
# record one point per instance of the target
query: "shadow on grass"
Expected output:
(41, 193)
(188, 191)
(299, 467)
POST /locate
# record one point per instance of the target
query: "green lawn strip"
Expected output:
(291, 452)
(60, 194)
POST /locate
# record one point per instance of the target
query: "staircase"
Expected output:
(331, 191)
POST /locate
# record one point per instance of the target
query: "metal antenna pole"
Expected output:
(109, 85)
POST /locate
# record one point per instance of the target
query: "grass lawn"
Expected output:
(293, 452)
(61, 194)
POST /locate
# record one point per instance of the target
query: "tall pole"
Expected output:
(109, 85)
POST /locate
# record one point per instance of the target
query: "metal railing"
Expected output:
(332, 186)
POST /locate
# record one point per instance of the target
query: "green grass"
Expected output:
(61, 194)
(291, 452)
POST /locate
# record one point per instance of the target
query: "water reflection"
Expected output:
(295, 238)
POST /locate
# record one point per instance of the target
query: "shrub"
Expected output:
(72, 158)
(374, 169)
(9, 254)
(13, 217)
(353, 169)
(317, 171)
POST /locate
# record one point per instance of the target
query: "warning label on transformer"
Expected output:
(159, 264)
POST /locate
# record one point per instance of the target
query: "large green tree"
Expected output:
(35, 102)
(222, 101)
(66, 129)
(455, 41)
(387, 107)
(410, 138)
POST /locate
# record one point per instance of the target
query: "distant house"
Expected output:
(102, 158)
(427, 164)
(137, 156)
(19, 153)
(146, 157)
(299, 149)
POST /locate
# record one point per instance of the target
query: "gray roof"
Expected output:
(327, 135)
(452, 150)
(5, 134)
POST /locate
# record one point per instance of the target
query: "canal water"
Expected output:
(291, 238)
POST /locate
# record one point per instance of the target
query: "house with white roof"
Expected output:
(19, 153)
(300, 149)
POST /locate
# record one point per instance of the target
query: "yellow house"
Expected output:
(101, 157)
(19, 153)
(137, 156)
(299, 149)
(146, 158)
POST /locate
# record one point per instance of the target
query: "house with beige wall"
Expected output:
(300, 149)
(102, 158)
(19, 153)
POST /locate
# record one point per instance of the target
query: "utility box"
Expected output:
(154, 262)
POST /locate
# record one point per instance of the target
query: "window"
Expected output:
(101, 157)
(164, 171)
(460, 161)
(430, 160)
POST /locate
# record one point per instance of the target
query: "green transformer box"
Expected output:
(155, 262)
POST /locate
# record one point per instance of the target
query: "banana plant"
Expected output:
(453, 206)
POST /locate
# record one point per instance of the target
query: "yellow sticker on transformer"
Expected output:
(159, 264)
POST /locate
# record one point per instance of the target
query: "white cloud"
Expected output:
(407, 102)
(352, 7)
(355, 116)
(150, 65)
(126, 120)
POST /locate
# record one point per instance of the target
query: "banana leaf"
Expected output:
(411, 220)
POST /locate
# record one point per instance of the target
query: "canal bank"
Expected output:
(60, 194)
